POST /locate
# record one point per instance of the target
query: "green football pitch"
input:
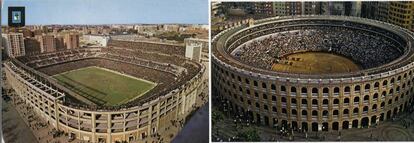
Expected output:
(103, 86)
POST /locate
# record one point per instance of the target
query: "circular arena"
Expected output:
(314, 73)
(77, 108)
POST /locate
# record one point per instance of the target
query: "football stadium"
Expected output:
(314, 73)
(127, 91)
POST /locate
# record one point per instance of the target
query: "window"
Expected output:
(356, 99)
(336, 101)
(304, 101)
(273, 87)
(264, 96)
(293, 100)
(325, 90)
(274, 98)
(346, 100)
(325, 102)
(314, 102)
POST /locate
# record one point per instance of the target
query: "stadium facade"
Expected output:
(314, 102)
(179, 84)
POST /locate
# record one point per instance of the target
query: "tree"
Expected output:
(249, 135)
(216, 116)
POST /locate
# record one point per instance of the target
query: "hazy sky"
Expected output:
(110, 11)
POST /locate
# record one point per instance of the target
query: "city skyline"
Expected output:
(94, 12)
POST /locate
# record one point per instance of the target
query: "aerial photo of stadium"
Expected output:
(312, 77)
(77, 90)
(104, 83)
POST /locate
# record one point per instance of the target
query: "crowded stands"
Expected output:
(366, 48)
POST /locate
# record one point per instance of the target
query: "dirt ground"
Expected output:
(315, 63)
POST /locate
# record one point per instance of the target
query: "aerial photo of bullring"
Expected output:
(312, 71)
(105, 71)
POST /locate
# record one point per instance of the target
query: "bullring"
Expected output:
(380, 90)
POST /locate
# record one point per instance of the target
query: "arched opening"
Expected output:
(357, 88)
(258, 119)
(314, 127)
(395, 112)
(389, 101)
(325, 113)
(346, 111)
(304, 90)
(367, 86)
(283, 88)
(273, 87)
(266, 120)
(335, 126)
(335, 112)
(374, 107)
(365, 109)
(376, 85)
(284, 124)
(314, 90)
(336, 90)
(346, 100)
(336, 101)
(294, 125)
(389, 114)
(304, 113)
(366, 98)
(305, 126)
(304, 101)
(356, 111)
(325, 90)
(356, 99)
(384, 83)
(314, 113)
(373, 120)
(355, 124)
(325, 102)
(382, 117)
(293, 101)
(347, 89)
(325, 126)
(345, 125)
(294, 112)
(293, 89)
(375, 96)
(365, 122)
(314, 102)
(284, 111)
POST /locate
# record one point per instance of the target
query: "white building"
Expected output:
(193, 51)
(196, 49)
(98, 40)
